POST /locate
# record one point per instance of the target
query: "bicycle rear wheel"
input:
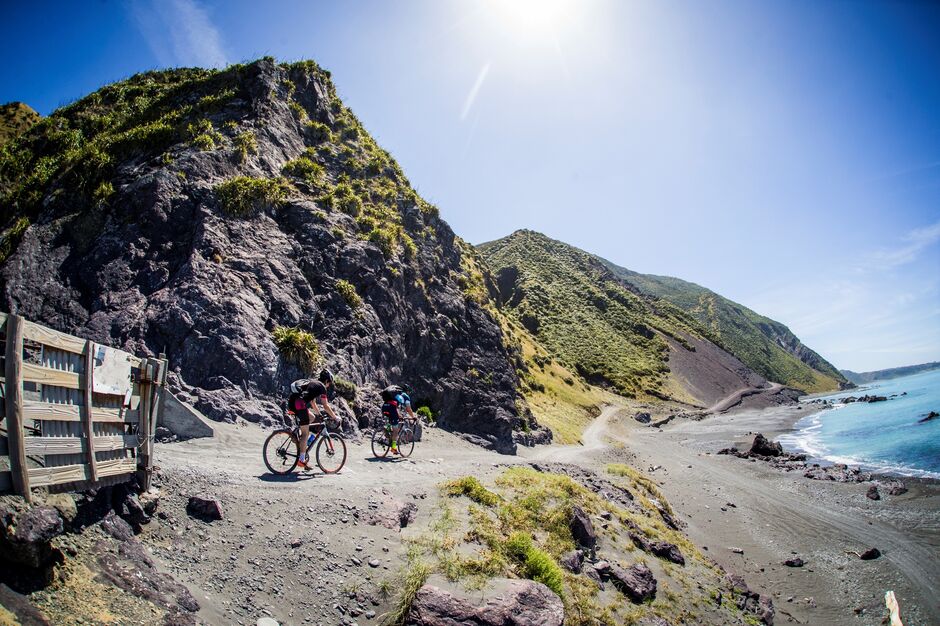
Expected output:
(280, 451)
(331, 453)
(406, 442)
(381, 443)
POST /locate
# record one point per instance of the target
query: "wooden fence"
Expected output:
(58, 429)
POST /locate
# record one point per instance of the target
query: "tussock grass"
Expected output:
(244, 195)
(409, 582)
(348, 292)
(298, 347)
(472, 488)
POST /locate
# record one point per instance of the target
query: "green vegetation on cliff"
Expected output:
(580, 311)
(766, 346)
(15, 118)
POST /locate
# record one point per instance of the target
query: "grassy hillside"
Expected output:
(861, 378)
(15, 117)
(766, 346)
(584, 315)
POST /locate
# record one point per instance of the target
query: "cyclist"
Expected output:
(305, 394)
(395, 396)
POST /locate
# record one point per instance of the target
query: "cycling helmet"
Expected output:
(406, 388)
(326, 376)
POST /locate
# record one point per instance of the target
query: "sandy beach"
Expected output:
(772, 515)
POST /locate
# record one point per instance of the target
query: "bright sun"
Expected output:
(534, 18)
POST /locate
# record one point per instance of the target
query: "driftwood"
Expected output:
(895, 610)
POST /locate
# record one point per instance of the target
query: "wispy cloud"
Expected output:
(472, 96)
(179, 32)
(914, 242)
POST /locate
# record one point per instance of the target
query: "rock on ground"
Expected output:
(524, 603)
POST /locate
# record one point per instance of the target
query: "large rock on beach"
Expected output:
(764, 447)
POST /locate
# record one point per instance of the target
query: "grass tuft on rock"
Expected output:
(348, 291)
(242, 196)
(298, 347)
(472, 488)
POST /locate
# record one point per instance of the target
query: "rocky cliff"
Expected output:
(244, 223)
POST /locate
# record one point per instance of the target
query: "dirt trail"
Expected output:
(592, 441)
(732, 399)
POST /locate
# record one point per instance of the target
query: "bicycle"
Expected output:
(382, 439)
(282, 447)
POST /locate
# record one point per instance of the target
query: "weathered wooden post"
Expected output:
(144, 429)
(14, 405)
(87, 423)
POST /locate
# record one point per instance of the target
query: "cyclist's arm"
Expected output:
(326, 407)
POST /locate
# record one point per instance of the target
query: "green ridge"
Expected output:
(585, 315)
(766, 346)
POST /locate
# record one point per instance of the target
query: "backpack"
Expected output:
(389, 393)
(298, 386)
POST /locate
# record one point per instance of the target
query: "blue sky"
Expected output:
(784, 154)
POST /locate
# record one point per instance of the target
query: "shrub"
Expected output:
(351, 205)
(298, 347)
(204, 135)
(246, 144)
(426, 412)
(304, 169)
(12, 238)
(472, 488)
(345, 389)
(298, 110)
(385, 239)
(348, 291)
(104, 191)
(319, 132)
(535, 563)
(243, 195)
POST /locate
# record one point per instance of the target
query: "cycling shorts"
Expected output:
(390, 412)
(301, 411)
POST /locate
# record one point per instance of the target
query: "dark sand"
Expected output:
(778, 515)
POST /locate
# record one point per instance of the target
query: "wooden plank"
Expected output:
(144, 459)
(53, 338)
(76, 445)
(42, 476)
(51, 412)
(87, 421)
(48, 376)
(14, 405)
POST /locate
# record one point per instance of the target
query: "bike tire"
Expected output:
(281, 451)
(331, 453)
(381, 443)
(406, 442)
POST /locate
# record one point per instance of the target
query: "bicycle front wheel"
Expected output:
(381, 443)
(406, 442)
(280, 451)
(331, 453)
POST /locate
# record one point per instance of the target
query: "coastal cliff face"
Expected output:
(244, 223)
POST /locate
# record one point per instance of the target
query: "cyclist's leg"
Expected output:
(303, 418)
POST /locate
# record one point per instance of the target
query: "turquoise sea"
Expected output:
(879, 436)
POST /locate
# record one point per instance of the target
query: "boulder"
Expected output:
(872, 493)
(523, 603)
(794, 562)
(25, 535)
(204, 508)
(668, 551)
(869, 554)
(21, 608)
(764, 447)
(643, 418)
(572, 561)
(749, 601)
(117, 527)
(894, 488)
(930, 416)
(582, 530)
(636, 582)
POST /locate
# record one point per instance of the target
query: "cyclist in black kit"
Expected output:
(305, 394)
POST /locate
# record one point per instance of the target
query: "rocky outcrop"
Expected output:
(930, 416)
(523, 603)
(26, 533)
(750, 601)
(582, 530)
(155, 262)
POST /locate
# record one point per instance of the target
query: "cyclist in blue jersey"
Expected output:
(394, 398)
